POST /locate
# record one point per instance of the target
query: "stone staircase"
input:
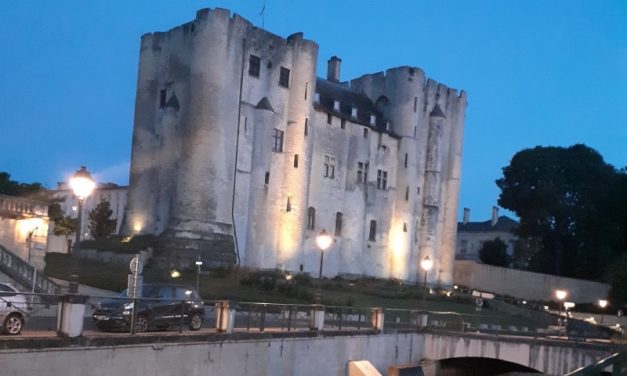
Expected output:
(23, 273)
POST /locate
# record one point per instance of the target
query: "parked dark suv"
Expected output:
(160, 306)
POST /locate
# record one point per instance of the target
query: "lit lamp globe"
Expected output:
(561, 294)
(602, 303)
(323, 240)
(426, 264)
(82, 183)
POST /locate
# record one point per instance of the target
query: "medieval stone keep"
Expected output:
(242, 154)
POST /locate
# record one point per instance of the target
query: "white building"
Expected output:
(115, 194)
(242, 154)
(472, 235)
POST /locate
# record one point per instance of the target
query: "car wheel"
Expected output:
(141, 324)
(13, 324)
(195, 322)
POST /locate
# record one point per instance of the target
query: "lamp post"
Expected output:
(602, 304)
(82, 185)
(323, 240)
(426, 264)
(560, 295)
(198, 265)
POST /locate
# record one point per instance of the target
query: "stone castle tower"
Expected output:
(241, 154)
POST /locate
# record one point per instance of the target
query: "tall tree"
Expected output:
(494, 252)
(15, 188)
(100, 223)
(63, 224)
(565, 199)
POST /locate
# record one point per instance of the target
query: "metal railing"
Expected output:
(348, 318)
(252, 316)
(24, 273)
(618, 363)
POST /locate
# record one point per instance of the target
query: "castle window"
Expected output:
(405, 160)
(295, 160)
(311, 218)
(407, 194)
(343, 124)
(162, 98)
(404, 226)
(329, 118)
(289, 204)
(338, 224)
(306, 87)
(415, 129)
(254, 65)
(415, 104)
(365, 132)
(373, 231)
(277, 141)
(329, 167)
(284, 77)
(306, 126)
(267, 178)
(382, 179)
(362, 172)
(417, 190)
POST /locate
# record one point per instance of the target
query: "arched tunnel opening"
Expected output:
(475, 366)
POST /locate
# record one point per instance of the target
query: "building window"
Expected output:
(407, 194)
(338, 224)
(405, 160)
(306, 87)
(417, 190)
(254, 65)
(362, 172)
(365, 132)
(267, 178)
(277, 141)
(329, 119)
(382, 179)
(329, 167)
(343, 124)
(284, 77)
(289, 204)
(404, 226)
(162, 98)
(415, 104)
(295, 160)
(373, 231)
(311, 218)
(306, 126)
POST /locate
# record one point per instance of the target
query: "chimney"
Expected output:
(495, 215)
(333, 69)
(466, 216)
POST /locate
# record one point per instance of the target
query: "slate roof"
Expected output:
(331, 91)
(504, 224)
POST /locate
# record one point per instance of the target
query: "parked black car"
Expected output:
(160, 306)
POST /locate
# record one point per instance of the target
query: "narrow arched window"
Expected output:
(373, 231)
(338, 224)
(311, 218)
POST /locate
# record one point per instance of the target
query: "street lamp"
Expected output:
(83, 185)
(426, 264)
(198, 265)
(560, 295)
(602, 304)
(324, 241)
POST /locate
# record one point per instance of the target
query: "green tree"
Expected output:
(566, 201)
(100, 223)
(63, 225)
(14, 188)
(494, 252)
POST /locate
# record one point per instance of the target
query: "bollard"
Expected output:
(423, 319)
(377, 319)
(317, 317)
(70, 315)
(225, 316)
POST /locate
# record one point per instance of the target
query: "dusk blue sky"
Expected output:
(536, 73)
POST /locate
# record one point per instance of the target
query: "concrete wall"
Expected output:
(526, 285)
(291, 356)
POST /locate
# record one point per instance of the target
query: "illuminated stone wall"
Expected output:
(205, 177)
